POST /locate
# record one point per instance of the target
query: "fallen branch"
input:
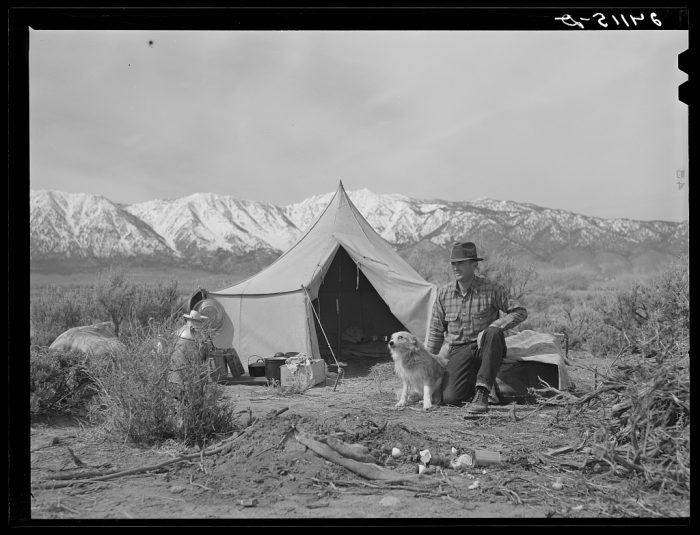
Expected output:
(76, 459)
(385, 487)
(454, 500)
(447, 479)
(225, 445)
(557, 451)
(83, 475)
(357, 452)
(69, 509)
(285, 436)
(503, 485)
(582, 399)
(618, 458)
(367, 470)
(510, 493)
(55, 440)
(644, 391)
(74, 482)
(200, 485)
(546, 459)
(61, 484)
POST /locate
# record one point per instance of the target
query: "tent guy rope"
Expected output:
(306, 292)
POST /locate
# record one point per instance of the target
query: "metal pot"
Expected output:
(272, 367)
(257, 368)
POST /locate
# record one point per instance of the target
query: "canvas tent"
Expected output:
(339, 286)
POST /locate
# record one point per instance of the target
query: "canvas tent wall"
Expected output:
(342, 270)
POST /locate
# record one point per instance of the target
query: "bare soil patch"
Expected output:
(546, 471)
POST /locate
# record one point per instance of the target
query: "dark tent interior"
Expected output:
(354, 318)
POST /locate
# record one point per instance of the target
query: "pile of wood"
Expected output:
(643, 423)
(648, 431)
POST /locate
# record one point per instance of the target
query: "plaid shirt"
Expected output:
(458, 318)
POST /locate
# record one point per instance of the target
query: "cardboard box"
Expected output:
(305, 376)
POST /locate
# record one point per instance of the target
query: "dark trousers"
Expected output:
(469, 367)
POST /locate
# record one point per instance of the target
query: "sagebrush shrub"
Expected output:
(56, 309)
(152, 304)
(201, 412)
(60, 382)
(114, 294)
(138, 401)
(515, 277)
(653, 314)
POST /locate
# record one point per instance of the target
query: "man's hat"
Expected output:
(464, 251)
(195, 316)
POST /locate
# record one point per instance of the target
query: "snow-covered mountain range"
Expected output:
(211, 231)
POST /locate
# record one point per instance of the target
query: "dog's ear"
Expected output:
(414, 342)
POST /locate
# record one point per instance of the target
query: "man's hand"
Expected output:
(443, 356)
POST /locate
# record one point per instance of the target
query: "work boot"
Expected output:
(480, 403)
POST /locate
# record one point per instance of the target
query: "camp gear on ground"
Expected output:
(229, 361)
(531, 356)
(272, 367)
(302, 372)
(257, 368)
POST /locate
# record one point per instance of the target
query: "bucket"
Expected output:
(272, 367)
(257, 368)
(217, 368)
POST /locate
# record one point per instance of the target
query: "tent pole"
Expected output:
(306, 292)
(339, 308)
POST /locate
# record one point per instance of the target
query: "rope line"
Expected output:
(320, 325)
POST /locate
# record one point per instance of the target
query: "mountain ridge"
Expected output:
(212, 231)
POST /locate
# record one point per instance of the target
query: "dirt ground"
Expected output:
(269, 474)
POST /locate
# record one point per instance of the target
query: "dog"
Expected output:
(420, 371)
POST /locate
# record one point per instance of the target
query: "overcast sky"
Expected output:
(582, 121)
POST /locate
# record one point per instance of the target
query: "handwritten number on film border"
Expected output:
(600, 19)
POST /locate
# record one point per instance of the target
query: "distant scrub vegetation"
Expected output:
(600, 314)
(646, 316)
(113, 297)
(606, 320)
(126, 389)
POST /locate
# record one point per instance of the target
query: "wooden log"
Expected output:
(366, 470)
(352, 451)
